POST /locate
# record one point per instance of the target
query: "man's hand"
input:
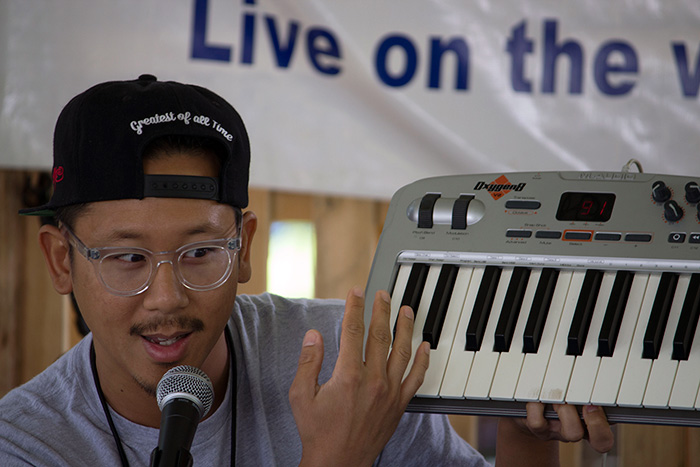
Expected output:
(534, 440)
(349, 419)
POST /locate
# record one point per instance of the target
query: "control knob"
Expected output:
(660, 192)
(672, 211)
(432, 209)
(692, 192)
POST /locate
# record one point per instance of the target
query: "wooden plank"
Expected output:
(467, 427)
(692, 458)
(11, 183)
(42, 309)
(260, 204)
(346, 240)
(652, 445)
(290, 206)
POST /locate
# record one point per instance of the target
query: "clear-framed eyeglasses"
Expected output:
(128, 271)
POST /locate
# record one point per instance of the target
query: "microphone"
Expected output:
(185, 395)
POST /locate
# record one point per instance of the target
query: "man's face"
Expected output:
(138, 338)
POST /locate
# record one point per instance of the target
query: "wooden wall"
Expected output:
(37, 325)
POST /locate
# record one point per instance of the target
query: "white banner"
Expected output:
(361, 97)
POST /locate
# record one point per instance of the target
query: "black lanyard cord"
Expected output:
(234, 390)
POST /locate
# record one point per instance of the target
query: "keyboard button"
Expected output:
(518, 233)
(553, 234)
(607, 236)
(676, 237)
(644, 238)
(575, 235)
(522, 204)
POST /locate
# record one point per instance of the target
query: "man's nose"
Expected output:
(165, 293)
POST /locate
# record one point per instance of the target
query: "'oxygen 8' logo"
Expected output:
(499, 187)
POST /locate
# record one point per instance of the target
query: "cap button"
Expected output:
(147, 77)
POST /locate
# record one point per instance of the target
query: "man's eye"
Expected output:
(197, 252)
(129, 258)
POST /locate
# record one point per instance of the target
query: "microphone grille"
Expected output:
(186, 382)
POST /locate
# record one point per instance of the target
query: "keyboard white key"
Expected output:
(556, 380)
(509, 363)
(636, 373)
(485, 359)
(535, 364)
(611, 369)
(687, 383)
(460, 360)
(586, 365)
(663, 369)
(439, 357)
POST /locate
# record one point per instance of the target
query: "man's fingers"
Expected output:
(417, 374)
(380, 333)
(600, 436)
(401, 350)
(571, 424)
(305, 382)
(536, 423)
(352, 330)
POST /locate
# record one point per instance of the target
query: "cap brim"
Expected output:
(41, 211)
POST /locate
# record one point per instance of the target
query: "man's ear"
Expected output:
(56, 249)
(248, 227)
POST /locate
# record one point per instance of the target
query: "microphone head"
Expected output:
(186, 382)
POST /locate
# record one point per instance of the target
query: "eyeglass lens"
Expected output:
(200, 267)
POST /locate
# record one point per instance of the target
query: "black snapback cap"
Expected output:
(101, 133)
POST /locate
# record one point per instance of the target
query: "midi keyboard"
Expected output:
(558, 287)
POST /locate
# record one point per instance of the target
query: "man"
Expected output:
(150, 179)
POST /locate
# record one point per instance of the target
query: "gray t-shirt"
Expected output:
(56, 419)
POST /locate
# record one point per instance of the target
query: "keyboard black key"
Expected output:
(583, 314)
(688, 321)
(439, 303)
(414, 287)
(614, 312)
(511, 309)
(482, 307)
(659, 315)
(539, 310)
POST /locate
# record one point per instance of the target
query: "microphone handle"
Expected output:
(178, 424)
